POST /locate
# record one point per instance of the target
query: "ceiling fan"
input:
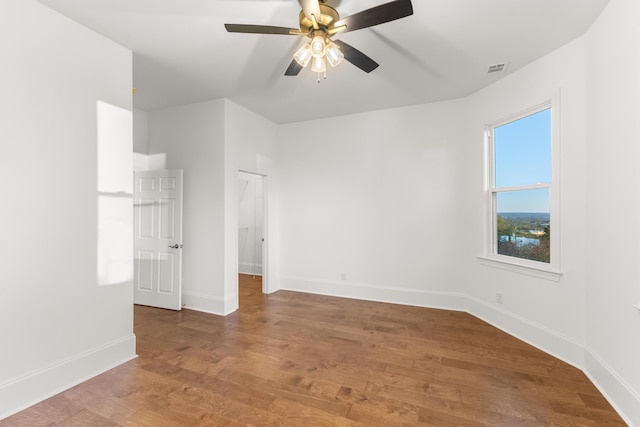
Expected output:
(319, 22)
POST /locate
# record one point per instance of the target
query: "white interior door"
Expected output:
(158, 238)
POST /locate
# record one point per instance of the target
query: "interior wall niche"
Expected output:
(250, 223)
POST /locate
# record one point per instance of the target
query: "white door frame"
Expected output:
(162, 248)
(265, 229)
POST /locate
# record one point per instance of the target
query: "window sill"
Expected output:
(521, 269)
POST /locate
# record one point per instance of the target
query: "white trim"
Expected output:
(555, 210)
(543, 338)
(636, 306)
(248, 268)
(548, 340)
(34, 387)
(264, 267)
(204, 303)
(558, 345)
(547, 103)
(489, 244)
(530, 269)
(368, 292)
(521, 187)
(624, 399)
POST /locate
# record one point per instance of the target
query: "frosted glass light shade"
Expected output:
(317, 46)
(334, 55)
(318, 65)
(303, 55)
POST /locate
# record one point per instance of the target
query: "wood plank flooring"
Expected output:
(294, 359)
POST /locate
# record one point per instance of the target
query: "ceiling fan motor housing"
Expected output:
(328, 16)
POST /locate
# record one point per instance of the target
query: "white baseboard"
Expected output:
(25, 391)
(405, 296)
(248, 268)
(613, 387)
(551, 342)
(622, 397)
(205, 303)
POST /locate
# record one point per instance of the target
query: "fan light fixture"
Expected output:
(319, 22)
(334, 55)
(319, 52)
(303, 55)
(317, 46)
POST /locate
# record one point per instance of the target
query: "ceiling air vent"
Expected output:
(496, 68)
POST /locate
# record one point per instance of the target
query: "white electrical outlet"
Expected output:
(343, 276)
(498, 297)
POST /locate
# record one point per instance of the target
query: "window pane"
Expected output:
(523, 151)
(523, 229)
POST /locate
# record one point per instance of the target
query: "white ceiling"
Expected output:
(182, 53)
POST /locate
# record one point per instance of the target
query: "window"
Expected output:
(521, 191)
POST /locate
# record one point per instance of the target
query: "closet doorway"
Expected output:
(251, 226)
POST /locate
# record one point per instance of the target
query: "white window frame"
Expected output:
(490, 257)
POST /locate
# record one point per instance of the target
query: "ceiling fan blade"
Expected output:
(310, 7)
(377, 15)
(356, 57)
(293, 69)
(259, 29)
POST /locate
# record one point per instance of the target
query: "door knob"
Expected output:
(176, 246)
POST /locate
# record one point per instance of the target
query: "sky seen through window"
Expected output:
(523, 157)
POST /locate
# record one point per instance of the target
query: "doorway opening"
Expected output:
(251, 233)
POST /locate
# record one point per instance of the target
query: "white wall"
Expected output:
(369, 205)
(140, 131)
(613, 204)
(549, 313)
(192, 137)
(212, 141)
(58, 327)
(250, 146)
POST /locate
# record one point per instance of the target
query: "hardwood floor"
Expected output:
(293, 359)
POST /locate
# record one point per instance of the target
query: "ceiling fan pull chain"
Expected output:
(323, 78)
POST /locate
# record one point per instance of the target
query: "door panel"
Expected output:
(167, 218)
(144, 270)
(158, 238)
